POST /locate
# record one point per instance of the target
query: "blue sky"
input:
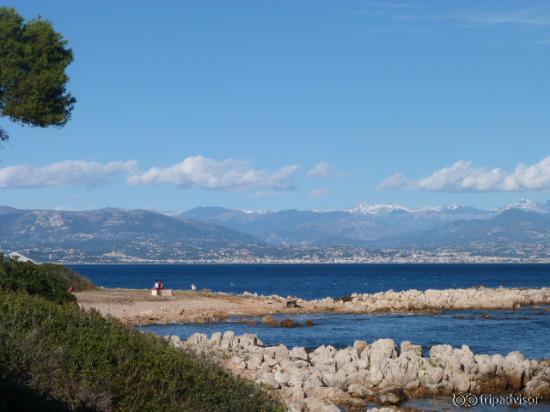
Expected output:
(275, 105)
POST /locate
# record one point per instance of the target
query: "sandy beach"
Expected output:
(137, 306)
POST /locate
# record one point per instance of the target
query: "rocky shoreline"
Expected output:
(440, 299)
(380, 372)
(135, 306)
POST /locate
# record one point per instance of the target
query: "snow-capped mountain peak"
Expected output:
(254, 211)
(381, 209)
(377, 209)
(528, 206)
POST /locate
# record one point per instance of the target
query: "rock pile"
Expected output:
(379, 372)
(445, 299)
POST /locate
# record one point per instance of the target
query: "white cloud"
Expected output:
(395, 181)
(65, 173)
(323, 191)
(462, 176)
(323, 170)
(212, 174)
(196, 171)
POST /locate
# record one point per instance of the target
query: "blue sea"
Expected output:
(526, 330)
(311, 281)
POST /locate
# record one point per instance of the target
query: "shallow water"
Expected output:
(318, 281)
(526, 330)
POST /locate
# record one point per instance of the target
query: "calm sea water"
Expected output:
(317, 281)
(527, 330)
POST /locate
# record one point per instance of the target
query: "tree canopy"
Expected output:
(33, 59)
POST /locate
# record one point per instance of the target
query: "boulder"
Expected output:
(430, 375)
(440, 355)
(267, 379)
(539, 387)
(237, 363)
(461, 382)
(337, 380)
(215, 339)
(281, 353)
(515, 367)
(374, 377)
(298, 353)
(248, 340)
(197, 339)
(175, 341)
(360, 346)
(382, 350)
(407, 347)
(335, 395)
(320, 405)
(389, 398)
(254, 361)
(293, 393)
(296, 406)
(359, 390)
(323, 356)
(345, 357)
(227, 339)
(485, 364)
(311, 383)
(281, 378)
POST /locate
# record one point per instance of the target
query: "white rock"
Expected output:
(227, 339)
(407, 347)
(269, 380)
(320, 405)
(298, 353)
(197, 338)
(254, 361)
(216, 339)
(359, 390)
(175, 341)
(281, 378)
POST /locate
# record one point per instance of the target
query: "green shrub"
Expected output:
(49, 281)
(73, 279)
(82, 360)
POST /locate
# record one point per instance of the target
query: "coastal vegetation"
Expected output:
(56, 356)
(49, 281)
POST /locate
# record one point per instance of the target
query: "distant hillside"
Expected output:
(218, 234)
(512, 226)
(111, 233)
(359, 227)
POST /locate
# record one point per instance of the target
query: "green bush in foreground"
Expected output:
(55, 356)
(73, 359)
(49, 281)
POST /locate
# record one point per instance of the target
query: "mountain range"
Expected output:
(378, 226)
(215, 233)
